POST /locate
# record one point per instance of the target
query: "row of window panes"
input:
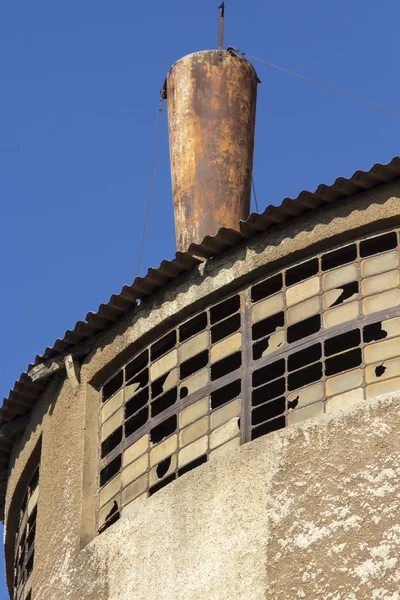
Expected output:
(25, 540)
(185, 440)
(152, 382)
(326, 262)
(277, 321)
(326, 371)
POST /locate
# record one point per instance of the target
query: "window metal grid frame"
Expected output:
(25, 539)
(357, 251)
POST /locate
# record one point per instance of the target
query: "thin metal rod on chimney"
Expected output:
(221, 9)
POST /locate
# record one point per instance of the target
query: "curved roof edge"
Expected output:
(22, 397)
(24, 393)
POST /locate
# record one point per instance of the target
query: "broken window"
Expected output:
(159, 399)
(268, 325)
(301, 272)
(162, 346)
(136, 365)
(226, 365)
(190, 328)
(272, 425)
(24, 549)
(224, 309)
(222, 330)
(378, 244)
(314, 344)
(113, 385)
(303, 329)
(339, 257)
(267, 288)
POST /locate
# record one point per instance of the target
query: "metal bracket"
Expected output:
(73, 371)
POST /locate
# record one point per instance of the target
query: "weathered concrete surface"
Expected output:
(311, 511)
(64, 416)
(308, 512)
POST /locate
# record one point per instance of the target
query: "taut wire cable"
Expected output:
(254, 194)
(150, 186)
(319, 83)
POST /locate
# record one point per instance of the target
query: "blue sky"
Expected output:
(78, 112)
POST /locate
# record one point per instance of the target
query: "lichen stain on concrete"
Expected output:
(341, 539)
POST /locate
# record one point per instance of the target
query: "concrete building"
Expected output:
(226, 427)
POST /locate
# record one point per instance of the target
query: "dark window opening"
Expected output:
(225, 394)
(301, 272)
(29, 565)
(192, 465)
(268, 411)
(137, 421)
(141, 380)
(339, 257)
(343, 362)
(113, 519)
(164, 345)
(267, 427)
(379, 370)
(32, 517)
(164, 402)
(190, 328)
(304, 357)
(226, 365)
(162, 467)
(157, 387)
(23, 537)
(268, 392)
(342, 342)
(268, 373)
(305, 376)
(267, 288)
(224, 309)
(260, 347)
(110, 470)
(303, 329)
(31, 536)
(374, 332)
(111, 442)
(24, 502)
(113, 510)
(161, 484)
(348, 290)
(379, 244)
(113, 386)
(194, 364)
(34, 481)
(136, 365)
(183, 392)
(268, 325)
(136, 403)
(163, 430)
(293, 403)
(222, 330)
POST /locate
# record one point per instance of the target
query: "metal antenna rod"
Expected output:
(221, 9)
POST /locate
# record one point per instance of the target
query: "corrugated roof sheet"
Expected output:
(24, 393)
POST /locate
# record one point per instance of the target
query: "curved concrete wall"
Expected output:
(240, 549)
(319, 334)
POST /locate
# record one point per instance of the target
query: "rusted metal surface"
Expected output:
(221, 9)
(25, 393)
(211, 117)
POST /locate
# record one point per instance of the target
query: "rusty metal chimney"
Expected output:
(211, 117)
